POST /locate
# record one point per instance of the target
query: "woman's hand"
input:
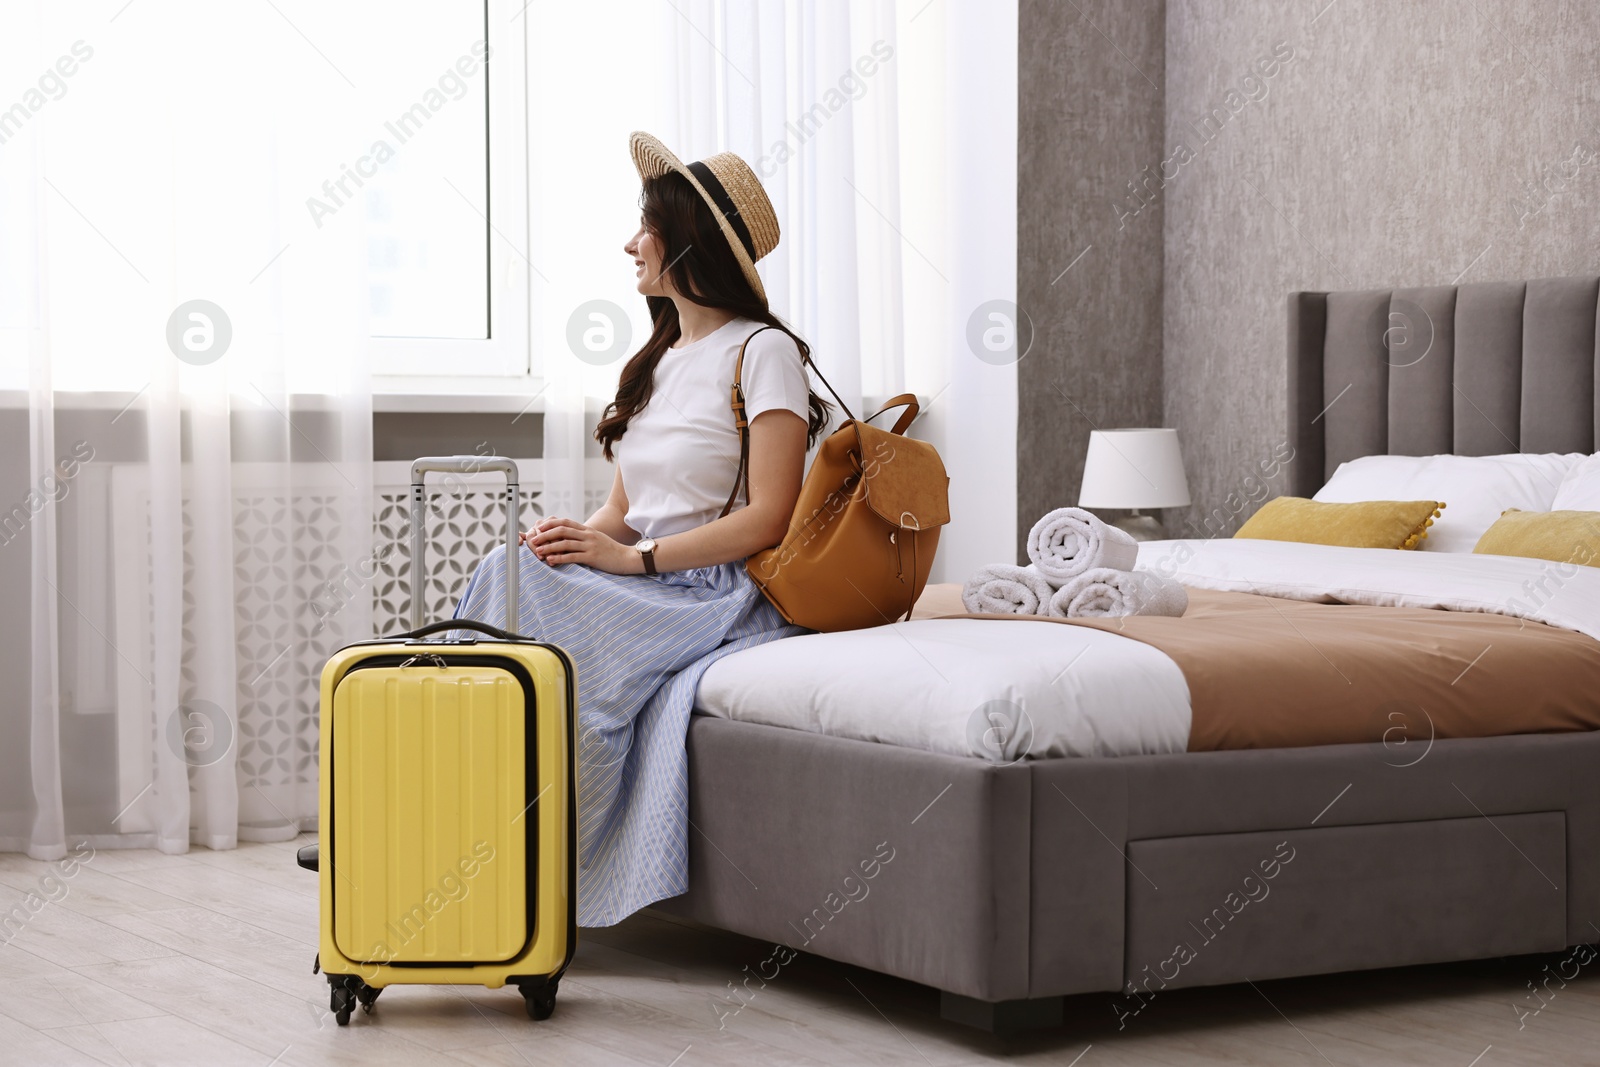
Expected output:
(557, 540)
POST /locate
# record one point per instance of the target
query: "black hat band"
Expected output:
(724, 202)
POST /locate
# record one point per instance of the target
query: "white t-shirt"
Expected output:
(680, 454)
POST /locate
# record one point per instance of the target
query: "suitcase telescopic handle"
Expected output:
(420, 469)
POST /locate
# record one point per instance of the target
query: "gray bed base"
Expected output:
(1010, 887)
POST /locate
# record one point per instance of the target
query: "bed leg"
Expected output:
(1005, 1017)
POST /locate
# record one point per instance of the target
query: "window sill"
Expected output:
(458, 403)
(469, 395)
(485, 398)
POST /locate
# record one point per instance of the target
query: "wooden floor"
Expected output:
(205, 959)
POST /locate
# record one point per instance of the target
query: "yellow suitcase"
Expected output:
(448, 810)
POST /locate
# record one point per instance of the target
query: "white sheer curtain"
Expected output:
(195, 500)
(185, 488)
(885, 134)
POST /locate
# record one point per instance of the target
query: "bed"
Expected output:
(1095, 856)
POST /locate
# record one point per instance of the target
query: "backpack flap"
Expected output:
(904, 480)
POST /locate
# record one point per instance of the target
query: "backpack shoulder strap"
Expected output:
(742, 477)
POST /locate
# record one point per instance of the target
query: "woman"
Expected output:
(652, 588)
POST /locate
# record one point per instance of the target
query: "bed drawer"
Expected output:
(1229, 907)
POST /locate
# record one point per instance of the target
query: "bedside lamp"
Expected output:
(1134, 469)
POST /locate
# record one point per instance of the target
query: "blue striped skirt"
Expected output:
(640, 645)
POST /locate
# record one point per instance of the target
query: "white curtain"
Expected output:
(885, 134)
(186, 508)
(188, 525)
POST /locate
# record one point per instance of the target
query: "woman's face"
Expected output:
(645, 248)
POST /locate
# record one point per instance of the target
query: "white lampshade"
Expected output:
(1133, 469)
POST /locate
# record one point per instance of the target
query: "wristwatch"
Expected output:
(647, 550)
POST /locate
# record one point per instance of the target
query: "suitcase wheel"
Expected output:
(368, 996)
(340, 1001)
(540, 997)
(345, 991)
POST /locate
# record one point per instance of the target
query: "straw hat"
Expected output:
(732, 191)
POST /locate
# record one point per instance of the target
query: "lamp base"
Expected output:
(1141, 527)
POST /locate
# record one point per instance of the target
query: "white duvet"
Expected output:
(1003, 690)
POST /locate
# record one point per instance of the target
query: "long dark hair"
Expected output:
(703, 269)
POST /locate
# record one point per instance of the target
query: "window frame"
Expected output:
(502, 363)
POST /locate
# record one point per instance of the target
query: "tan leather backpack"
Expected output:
(866, 526)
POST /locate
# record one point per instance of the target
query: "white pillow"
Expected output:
(1580, 489)
(1475, 489)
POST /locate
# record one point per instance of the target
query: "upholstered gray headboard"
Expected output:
(1474, 369)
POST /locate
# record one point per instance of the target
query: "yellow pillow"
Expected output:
(1369, 524)
(1561, 536)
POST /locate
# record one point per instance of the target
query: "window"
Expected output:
(223, 153)
(446, 204)
(427, 228)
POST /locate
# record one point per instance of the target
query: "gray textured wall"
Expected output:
(1089, 123)
(1405, 144)
(16, 585)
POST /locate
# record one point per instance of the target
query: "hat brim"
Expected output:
(652, 159)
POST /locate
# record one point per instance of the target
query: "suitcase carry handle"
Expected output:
(463, 465)
(459, 624)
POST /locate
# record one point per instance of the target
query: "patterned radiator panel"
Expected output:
(280, 644)
(460, 529)
(283, 642)
(290, 585)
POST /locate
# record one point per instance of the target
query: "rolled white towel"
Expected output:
(1001, 588)
(1069, 541)
(1103, 593)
